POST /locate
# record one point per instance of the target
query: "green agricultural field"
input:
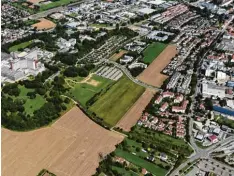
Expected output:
(82, 92)
(54, 4)
(20, 46)
(117, 100)
(154, 169)
(152, 51)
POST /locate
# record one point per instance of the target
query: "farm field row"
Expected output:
(152, 51)
(61, 148)
(152, 74)
(117, 100)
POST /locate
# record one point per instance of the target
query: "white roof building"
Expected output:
(146, 11)
(213, 90)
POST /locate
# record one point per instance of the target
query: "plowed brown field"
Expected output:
(70, 147)
(133, 115)
(151, 75)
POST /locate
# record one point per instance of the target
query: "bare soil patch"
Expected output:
(151, 75)
(118, 55)
(133, 114)
(35, 1)
(44, 24)
(93, 82)
(70, 147)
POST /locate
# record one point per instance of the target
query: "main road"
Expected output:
(203, 153)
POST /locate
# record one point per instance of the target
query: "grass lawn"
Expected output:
(154, 169)
(117, 100)
(82, 92)
(152, 51)
(124, 172)
(100, 25)
(132, 145)
(19, 46)
(24, 91)
(32, 105)
(199, 144)
(56, 4)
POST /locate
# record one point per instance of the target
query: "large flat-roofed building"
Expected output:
(19, 66)
(209, 89)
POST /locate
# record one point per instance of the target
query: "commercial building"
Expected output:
(19, 66)
(213, 90)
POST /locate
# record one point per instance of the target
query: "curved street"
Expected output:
(129, 75)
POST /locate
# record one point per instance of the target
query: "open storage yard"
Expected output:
(133, 115)
(152, 51)
(117, 100)
(71, 146)
(152, 74)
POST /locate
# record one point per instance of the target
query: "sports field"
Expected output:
(154, 169)
(54, 4)
(44, 24)
(152, 51)
(84, 89)
(70, 147)
(117, 100)
(20, 46)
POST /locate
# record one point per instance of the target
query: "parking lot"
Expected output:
(109, 72)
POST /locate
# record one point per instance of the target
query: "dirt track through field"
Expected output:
(133, 114)
(70, 147)
(151, 75)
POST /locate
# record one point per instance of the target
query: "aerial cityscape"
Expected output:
(117, 87)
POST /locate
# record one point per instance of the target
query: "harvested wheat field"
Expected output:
(151, 75)
(118, 55)
(133, 114)
(72, 146)
(44, 24)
